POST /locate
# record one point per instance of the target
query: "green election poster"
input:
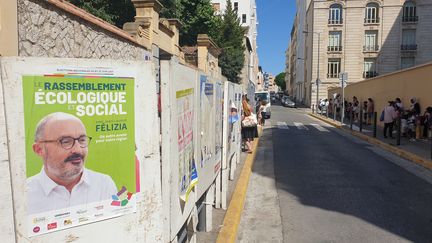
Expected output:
(80, 149)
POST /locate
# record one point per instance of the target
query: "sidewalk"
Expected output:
(418, 151)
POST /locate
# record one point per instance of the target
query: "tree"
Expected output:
(280, 80)
(116, 12)
(229, 36)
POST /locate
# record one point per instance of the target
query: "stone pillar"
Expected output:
(207, 47)
(146, 25)
(8, 28)
(175, 26)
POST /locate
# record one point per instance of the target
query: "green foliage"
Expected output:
(171, 9)
(280, 80)
(196, 16)
(229, 36)
(116, 12)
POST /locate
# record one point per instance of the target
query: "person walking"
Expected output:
(389, 117)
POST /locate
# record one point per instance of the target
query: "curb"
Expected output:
(400, 152)
(228, 233)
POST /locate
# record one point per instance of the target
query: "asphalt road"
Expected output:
(328, 186)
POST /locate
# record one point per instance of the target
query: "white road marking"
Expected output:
(282, 125)
(300, 126)
(319, 128)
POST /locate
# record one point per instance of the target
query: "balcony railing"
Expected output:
(332, 75)
(371, 20)
(334, 48)
(335, 21)
(371, 48)
(410, 47)
(409, 19)
(369, 74)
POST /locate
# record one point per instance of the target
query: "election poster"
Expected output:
(219, 99)
(207, 121)
(80, 149)
(188, 176)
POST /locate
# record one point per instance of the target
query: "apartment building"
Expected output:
(247, 13)
(364, 38)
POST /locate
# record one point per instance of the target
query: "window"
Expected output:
(333, 68)
(409, 12)
(370, 43)
(335, 14)
(407, 62)
(409, 40)
(235, 6)
(369, 68)
(335, 41)
(371, 14)
(243, 18)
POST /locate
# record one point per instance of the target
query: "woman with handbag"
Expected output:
(249, 126)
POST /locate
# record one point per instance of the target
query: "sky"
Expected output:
(275, 18)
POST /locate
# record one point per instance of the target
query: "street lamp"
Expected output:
(317, 82)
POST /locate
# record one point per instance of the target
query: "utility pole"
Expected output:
(318, 81)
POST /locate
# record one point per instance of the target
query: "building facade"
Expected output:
(364, 38)
(247, 13)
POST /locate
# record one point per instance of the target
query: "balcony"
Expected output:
(410, 47)
(332, 75)
(334, 48)
(409, 19)
(371, 20)
(374, 48)
(370, 74)
(335, 21)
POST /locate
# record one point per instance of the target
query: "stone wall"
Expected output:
(45, 30)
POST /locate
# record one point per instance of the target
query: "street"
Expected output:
(327, 186)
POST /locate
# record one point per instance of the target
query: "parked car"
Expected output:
(287, 102)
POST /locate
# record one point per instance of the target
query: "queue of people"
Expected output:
(414, 124)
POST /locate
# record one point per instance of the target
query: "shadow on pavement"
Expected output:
(332, 172)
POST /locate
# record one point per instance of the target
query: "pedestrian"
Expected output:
(398, 105)
(364, 110)
(427, 122)
(370, 110)
(330, 107)
(414, 111)
(248, 132)
(415, 107)
(389, 117)
(261, 113)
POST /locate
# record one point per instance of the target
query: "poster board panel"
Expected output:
(37, 87)
(179, 142)
(207, 134)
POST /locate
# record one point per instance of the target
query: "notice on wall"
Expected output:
(80, 149)
(188, 176)
(207, 120)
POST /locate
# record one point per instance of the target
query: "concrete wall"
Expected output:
(48, 30)
(415, 82)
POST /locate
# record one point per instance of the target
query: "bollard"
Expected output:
(398, 127)
(327, 113)
(351, 119)
(361, 120)
(313, 109)
(375, 124)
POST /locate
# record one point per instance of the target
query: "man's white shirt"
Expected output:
(46, 195)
